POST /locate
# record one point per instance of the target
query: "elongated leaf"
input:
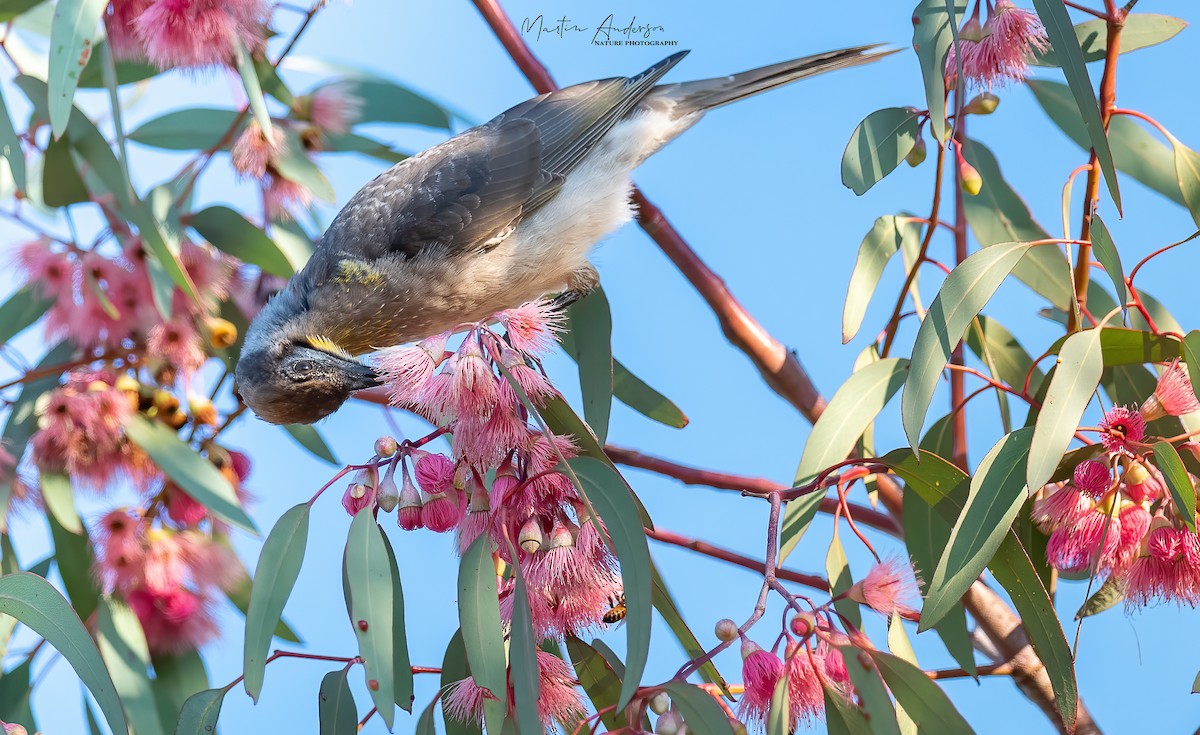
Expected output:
(123, 648)
(851, 410)
(926, 534)
(200, 713)
(175, 679)
(75, 558)
(1080, 366)
(841, 716)
(278, 566)
(33, 601)
(1062, 38)
(1187, 174)
(999, 215)
(633, 391)
(21, 310)
(59, 499)
(1010, 360)
(700, 711)
(402, 664)
(454, 669)
(1109, 594)
(997, 493)
(963, 294)
(872, 694)
(591, 326)
(1105, 251)
(902, 649)
(614, 502)
(1191, 355)
(877, 146)
(1182, 492)
(10, 147)
(1135, 151)
(524, 667)
(933, 33)
(779, 716)
(16, 694)
(128, 72)
(254, 95)
(367, 575)
(184, 130)
(837, 566)
(883, 241)
(62, 185)
(923, 700)
(231, 233)
(1139, 31)
(194, 474)
(426, 722)
(1013, 570)
(295, 165)
(385, 101)
(479, 616)
(311, 439)
(71, 37)
(336, 710)
(1129, 346)
(599, 680)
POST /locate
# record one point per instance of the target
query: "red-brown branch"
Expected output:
(703, 547)
(724, 481)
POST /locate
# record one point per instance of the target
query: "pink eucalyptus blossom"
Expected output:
(1121, 429)
(1173, 395)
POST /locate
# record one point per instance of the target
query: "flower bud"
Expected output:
(803, 625)
(532, 538)
(409, 516)
(1136, 474)
(221, 332)
(916, 156)
(968, 178)
(983, 104)
(669, 723)
(726, 630)
(127, 383)
(202, 410)
(563, 535)
(385, 446)
(388, 495)
(660, 703)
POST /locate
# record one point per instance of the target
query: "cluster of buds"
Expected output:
(997, 50)
(1116, 517)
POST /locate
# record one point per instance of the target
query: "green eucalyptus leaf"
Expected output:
(877, 146)
(1178, 482)
(1187, 174)
(62, 185)
(872, 694)
(923, 700)
(233, 234)
(1080, 366)
(479, 616)
(1109, 594)
(200, 713)
(933, 33)
(198, 128)
(837, 566)
(997, 494)
(401, 663)
(278, 567)
(1105, 251)
(700, 711)
(455, 669)
(336, 711)
(366, 573)
(125, 652)
(10, 146)
(522, 652)
(59, 499)
(1139, 31)
(591, 327)
(598, 679)
(885, 239)
(1070, 56)
(33, 601)
(311, 439)
(71, 36)
(194, 474)
(964, 292)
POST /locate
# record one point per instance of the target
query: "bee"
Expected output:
(617, 613)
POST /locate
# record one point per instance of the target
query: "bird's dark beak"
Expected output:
(361, 376)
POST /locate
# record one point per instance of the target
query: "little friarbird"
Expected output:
(496, 216)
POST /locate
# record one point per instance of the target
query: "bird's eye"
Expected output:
(301, 370)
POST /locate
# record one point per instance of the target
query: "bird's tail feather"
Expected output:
(706, 94)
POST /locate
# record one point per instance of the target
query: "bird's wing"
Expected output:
(464, 194)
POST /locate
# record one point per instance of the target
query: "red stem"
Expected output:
(703, 547)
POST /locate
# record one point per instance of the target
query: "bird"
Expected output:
(501, 214)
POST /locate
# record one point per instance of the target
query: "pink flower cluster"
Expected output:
(529, 509)
(169, 577)
(558, 697)
(998, 50)
(185, 33)
(808, 668)
(102, 302)
(81, 432)
(1125, 524)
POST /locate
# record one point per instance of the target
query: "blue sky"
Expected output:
(755, 189)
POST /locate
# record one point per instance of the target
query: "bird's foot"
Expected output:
(582, 282)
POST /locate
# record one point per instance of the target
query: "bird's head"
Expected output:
(299, 381)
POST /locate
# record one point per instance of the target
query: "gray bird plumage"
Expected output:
(498, 215)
